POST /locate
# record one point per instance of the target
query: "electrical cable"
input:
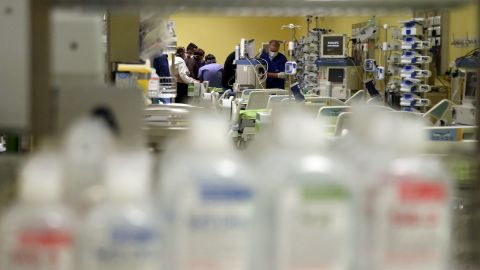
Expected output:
(265, 61)
(441, 81)
(348, 42)
(259, 79)
(230, 80)
(467, 55)
(265, 75)
(476, 49)
(356, 67)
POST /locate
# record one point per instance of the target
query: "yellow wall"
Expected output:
(463, 20)
(219, 34)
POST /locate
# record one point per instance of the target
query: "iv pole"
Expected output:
(291, 48)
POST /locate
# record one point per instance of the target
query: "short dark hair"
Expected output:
(191, 46)
(199, 52)
(180, 51)
(210, 58)
(275, 42)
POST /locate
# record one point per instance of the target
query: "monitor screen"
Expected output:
(250, 48)
(333, 46)
(336, 75)
(470, 84)
(372, 91)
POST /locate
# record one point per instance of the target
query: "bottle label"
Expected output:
(126, 247)
(215, 228)
(413, 226)
(314, 228)
(154, 84)
(44, 249)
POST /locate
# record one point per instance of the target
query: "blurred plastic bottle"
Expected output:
(37, 233)
(124, 232)
(367, 149)
(211, 201)
(313, 200)
(154, 85)
(86, 145)
(410, 207)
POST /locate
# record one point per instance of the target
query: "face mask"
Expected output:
(272, 54)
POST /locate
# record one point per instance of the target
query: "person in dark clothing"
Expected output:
(160, 64)
(195, 63)
(182, 75)
(189, 56)
(229, 71)
(276, 65)
(190, 49)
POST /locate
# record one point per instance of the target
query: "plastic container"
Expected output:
(410, 218)
(211, 201)
(86, 145)
(37, 233)
(313, 201)
(154, 85)
(367, 148)
(125, 232)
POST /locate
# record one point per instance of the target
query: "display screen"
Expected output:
(333, 46)
(372, 91)
(336, 75)
(470, 84)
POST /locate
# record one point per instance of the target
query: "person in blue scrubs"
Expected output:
(276, 65)
(160, 64)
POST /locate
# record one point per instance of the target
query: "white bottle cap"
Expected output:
(128, 176)
(41, 179)
(87, 140)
